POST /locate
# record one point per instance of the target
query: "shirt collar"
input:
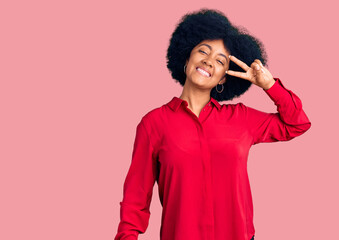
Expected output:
(176, 102)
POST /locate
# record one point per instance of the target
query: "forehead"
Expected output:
(217, 44)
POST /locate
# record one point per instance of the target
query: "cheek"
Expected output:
(191, 69)
(220, 72)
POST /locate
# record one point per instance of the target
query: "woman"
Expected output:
(197, 149)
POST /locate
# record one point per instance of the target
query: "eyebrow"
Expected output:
(204, 44)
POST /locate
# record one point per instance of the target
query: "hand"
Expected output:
(257, 73)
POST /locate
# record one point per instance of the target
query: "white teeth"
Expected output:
(203, 72)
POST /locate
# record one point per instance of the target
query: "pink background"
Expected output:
(77, 76)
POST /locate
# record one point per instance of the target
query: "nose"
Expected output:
(207, 61)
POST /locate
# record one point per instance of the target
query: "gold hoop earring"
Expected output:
(222, 89)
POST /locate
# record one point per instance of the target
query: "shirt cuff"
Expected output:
(277, 90)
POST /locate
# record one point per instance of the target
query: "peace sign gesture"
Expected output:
(257, 73)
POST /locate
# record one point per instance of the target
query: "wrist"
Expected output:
(269, 85)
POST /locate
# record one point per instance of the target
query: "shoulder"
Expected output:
(243, 111)
(233, 107)
(152, 115)
(153, 120)
(236, 111)
(158, 114)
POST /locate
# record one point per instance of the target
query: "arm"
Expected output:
(138, 188)
(289, 122)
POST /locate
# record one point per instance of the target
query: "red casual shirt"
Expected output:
(200, 165)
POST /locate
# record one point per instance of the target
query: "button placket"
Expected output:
(207, 175)
(206, 161)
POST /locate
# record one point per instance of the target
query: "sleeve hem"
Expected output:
(277, 90)
(275, 83)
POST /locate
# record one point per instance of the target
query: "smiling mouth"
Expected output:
(203, 72)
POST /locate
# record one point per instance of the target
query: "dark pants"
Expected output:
(252, 238)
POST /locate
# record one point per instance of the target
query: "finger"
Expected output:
(261, 66)
(237, 74)
(259, 62)
(239, 63)
(257, 67)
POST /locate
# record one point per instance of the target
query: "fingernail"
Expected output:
(229, 56)
(226, 71)
(261, 64)
(257, 67)
(263, 70)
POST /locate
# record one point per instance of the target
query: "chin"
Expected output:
(201, 83)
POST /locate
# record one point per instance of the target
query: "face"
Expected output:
(207, 64)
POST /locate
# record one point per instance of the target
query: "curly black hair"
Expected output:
(211, 24)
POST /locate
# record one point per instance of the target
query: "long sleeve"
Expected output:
(138, 188)
(289, 122)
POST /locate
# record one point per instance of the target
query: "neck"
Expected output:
(195, 97)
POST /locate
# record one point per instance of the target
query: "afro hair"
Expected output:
(209, 24)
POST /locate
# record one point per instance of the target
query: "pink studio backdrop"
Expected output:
(77, 76)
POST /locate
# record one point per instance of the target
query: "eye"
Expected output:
(206, 53)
